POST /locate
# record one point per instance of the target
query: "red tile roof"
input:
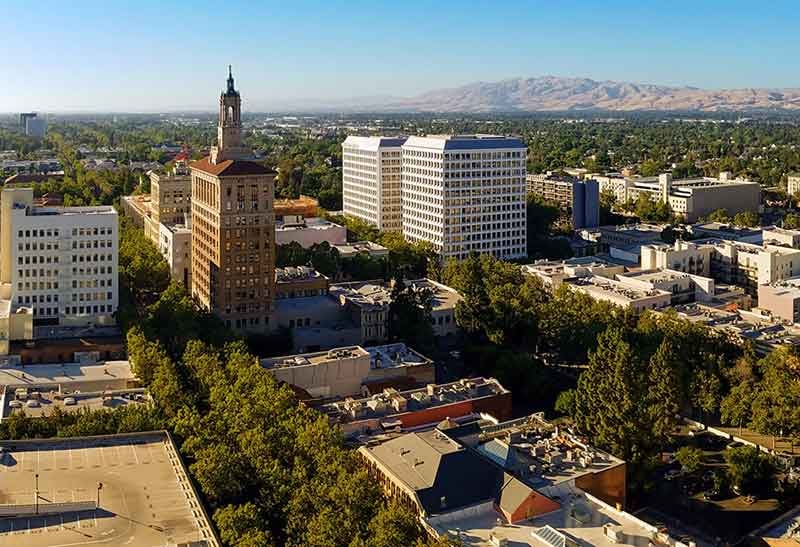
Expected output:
(230, 168)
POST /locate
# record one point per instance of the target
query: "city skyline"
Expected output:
(111, 58)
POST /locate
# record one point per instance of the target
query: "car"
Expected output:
(734, 444)
(672, 474)
(70, 401)
(711, 495)
(33, 403)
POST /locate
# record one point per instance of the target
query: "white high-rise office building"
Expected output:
(465, 193)
(371, 180)
(58, 265)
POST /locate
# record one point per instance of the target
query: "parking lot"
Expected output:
(142, 499)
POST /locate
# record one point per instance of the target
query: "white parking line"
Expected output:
(133, 449)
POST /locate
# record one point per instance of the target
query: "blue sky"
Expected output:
(150, 55)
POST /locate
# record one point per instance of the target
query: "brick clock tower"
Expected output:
(233, 226)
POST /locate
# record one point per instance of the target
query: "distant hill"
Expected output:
(551, 93)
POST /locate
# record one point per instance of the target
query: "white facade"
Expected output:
(371, 180)
(793, 185)
(465, 193)
(175, 245)
(60, 262)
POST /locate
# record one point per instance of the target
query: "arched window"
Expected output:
(229, 117)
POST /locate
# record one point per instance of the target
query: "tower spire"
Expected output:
(230, 80)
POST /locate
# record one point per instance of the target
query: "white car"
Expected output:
(70, 401)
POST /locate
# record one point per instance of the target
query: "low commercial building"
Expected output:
(682, 286)
(624, 236)
(397, 411)
(552, 273)
(781, 236)
(625, 295)
(722, 230)
(781, 299)
(335, 373)
(353, 248)
(793, 185)
(299, 282)
(307, 232)
(689, 198)
(580, 199)
(524, 482)
(353, 371)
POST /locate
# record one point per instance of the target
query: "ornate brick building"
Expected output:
(233, 226)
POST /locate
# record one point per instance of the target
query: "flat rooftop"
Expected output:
(355, 247)
(71, 375)
(395, 355)
(602, 286)
(313, 223)
(315, 358)
(581, 520)
(146, 498)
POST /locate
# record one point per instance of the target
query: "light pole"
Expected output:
(36, 500)
(99, 487)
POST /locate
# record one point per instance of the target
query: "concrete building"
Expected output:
(353, 248)
(553, 273)
(580, 199)
(721, 230)
(465, 193)
(171, 195)
(299, 282)
(175, 245)
(626, 295)
(233, 227)
(793, 185)
(58, 265)
(624, 236)
(371, 187)
(734, 262)
(781, 236)
(682, 256)
(335, 373)
(781, 299)
(397, 411)
(307, 232)
(353, 371)
(36, 127)
(683, 287)
(689, 198)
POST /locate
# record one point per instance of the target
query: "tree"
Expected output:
(663, 395)
(750, 470)
(565, 403)
(719, 215)
(737, 405)
(690, 458)
(410, 315)
(747, 219)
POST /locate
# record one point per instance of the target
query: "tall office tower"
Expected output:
(58, 265)
(233, 226)
(465, 193)
(371, 180)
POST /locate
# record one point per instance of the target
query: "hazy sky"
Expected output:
(151, 55)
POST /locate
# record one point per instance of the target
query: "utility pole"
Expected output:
(36, 501)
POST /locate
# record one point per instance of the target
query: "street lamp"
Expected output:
(36, 500)
(99, 487)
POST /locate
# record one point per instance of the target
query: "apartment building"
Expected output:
(690, 198)
(371, 185)
(465, 193)
(233, 227)
(682, 256)
(58, 265)
(580, 199)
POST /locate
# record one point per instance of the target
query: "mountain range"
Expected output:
(552, 93)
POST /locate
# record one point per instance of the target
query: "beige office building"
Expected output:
(233, 227)
(371, 180)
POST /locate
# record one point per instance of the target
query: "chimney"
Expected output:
(665, 182)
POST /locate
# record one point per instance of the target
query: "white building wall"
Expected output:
(64, 264)
(371, 180)
(465, 194)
